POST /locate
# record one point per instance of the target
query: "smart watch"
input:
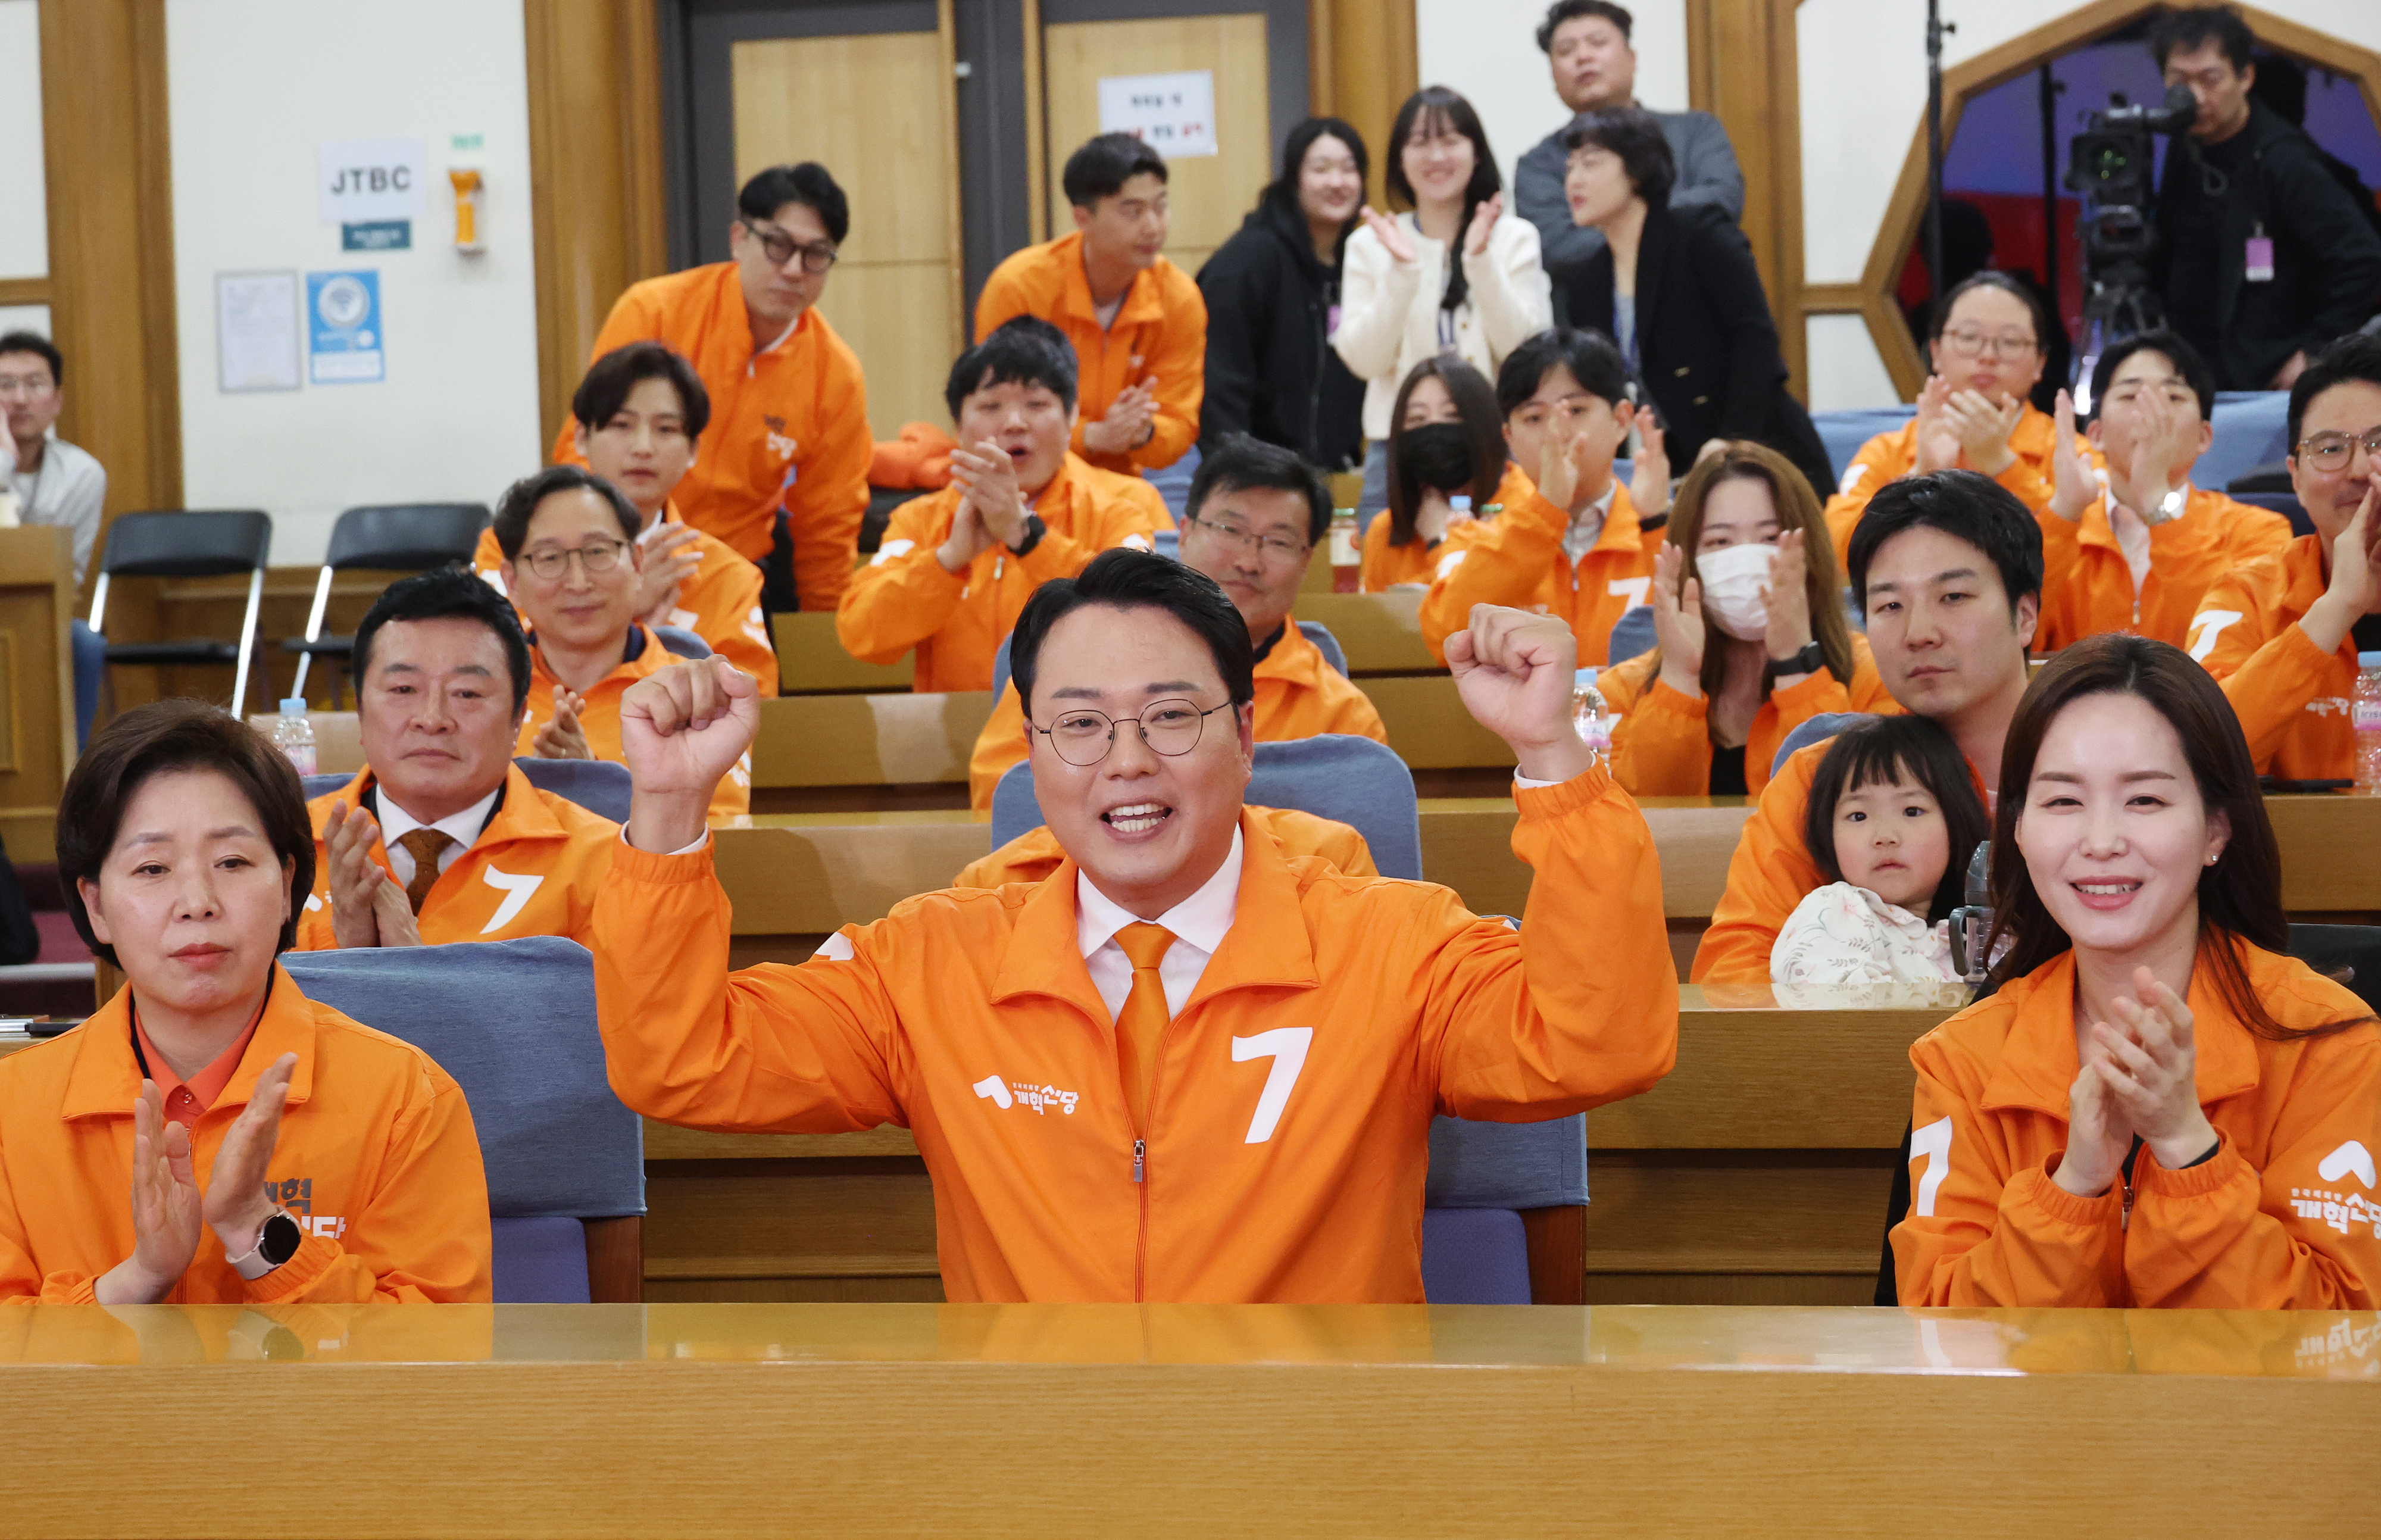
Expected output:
(1034, 530)
(1809, 660)
(277, 1242)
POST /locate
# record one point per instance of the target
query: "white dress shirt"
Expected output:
(462, 828)
(1587, 525)
(1199, 924)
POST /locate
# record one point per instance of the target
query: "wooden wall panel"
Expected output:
(1361, 66)
(1742, 68)
(595, 170)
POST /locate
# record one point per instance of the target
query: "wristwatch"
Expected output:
(2170, 507)
(1034, 530)
(1809, 660)
(277, 1242)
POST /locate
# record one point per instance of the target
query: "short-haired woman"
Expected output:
(1677, 290)
(2157, 1106)
(1458, 275)
(273, 1151)
(1751, 638)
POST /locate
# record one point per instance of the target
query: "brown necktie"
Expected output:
(1142, 1020)
(423, 845)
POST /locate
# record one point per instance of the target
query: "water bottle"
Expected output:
(294, 736)
(1459, 507)
(1347, 558)
(1588, 716)
(2367, 716)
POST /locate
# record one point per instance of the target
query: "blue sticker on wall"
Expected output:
(344, 342)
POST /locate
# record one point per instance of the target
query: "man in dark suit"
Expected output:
(1586, 43)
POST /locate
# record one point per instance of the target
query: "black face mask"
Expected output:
(1438, 456)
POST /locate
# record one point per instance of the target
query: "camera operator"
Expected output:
(2263, 253)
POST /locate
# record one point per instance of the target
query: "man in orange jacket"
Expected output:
(786, 479)
(1256, 514)
(1138, 322)
(440, 838)
(1986, 354)
(1233, 1058)
(957, 566)
(1577, 542)
(641, 411)
(2282, 634)
(571, 561)
(340, 1164)
(1948, 567)
(2136, 554)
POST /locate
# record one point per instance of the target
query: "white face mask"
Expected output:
(1733, 578)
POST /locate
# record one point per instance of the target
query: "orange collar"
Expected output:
(105, 1079)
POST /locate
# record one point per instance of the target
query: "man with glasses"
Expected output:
(1184, 1067)
(2263, 253)
(1973, 414)
(956, 567)
(784, 477)
(1573, 541)
(52, 480)
(2282, 634)
(641, 411)
(2135, 551)
(1138, 322)
(571, 562)
(1256, 512)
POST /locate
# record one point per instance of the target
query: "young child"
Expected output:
(1894, 817)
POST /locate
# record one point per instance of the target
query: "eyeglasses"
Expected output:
(550, 562)
(1274, 547)
(780, 248)
(1170, 727)
(27, 385)
(1966, 344)
(2329, 452)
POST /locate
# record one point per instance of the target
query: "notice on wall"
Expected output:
(344, 344)
(1174, 114)
(365, 179)
(256, 332)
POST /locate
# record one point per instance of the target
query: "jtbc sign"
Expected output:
(372, 179)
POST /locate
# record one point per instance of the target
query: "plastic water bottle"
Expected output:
(294, 736)
(2367, 716)
(1347, 557)
(1588, 716)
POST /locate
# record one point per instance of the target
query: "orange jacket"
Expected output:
(376, 1158)
(1385, 566)
(1161, 330)
(1770, 873)
(1517, 558)
(533, 871)
(1661, 745)
(2285, 1216)
(721, 603)
(1288, 1122)
(1034, 854)
(788, 424)
(2088, 589)
(1886, 456)
(1299, 695)
(904, 599)
(600, 721)
(2292, 698)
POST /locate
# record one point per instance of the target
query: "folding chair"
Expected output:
(188, 544)
(514, 1022)
(403, 537)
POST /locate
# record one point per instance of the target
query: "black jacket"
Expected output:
(2326, 258)
(1271, 370)
(1706, 347)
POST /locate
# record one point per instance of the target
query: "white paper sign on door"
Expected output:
(372, 179)
(1174, 114)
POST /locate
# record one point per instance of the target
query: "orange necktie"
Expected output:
(424, 844)
(1143, 1019)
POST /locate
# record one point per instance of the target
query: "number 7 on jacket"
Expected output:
(1287, 1047)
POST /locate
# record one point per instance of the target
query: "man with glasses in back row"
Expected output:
(783, 475)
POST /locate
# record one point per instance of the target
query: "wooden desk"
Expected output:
(1187, 1420)
(1381, 633)
(1755, 1173)
(810, 661)
(37, 718)
(836, 753)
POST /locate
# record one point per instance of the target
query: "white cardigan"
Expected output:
(1388, 311)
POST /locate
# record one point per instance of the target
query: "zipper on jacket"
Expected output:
(1141, 1176)
(2125, 1213)
(1140, 1154)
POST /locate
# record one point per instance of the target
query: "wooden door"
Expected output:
(1209, 195)
(875, 110)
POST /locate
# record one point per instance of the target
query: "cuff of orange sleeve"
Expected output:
(689, 864)
(2193, 1181)
(1539, 799)
(315, 1256)
(2034, 1188)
